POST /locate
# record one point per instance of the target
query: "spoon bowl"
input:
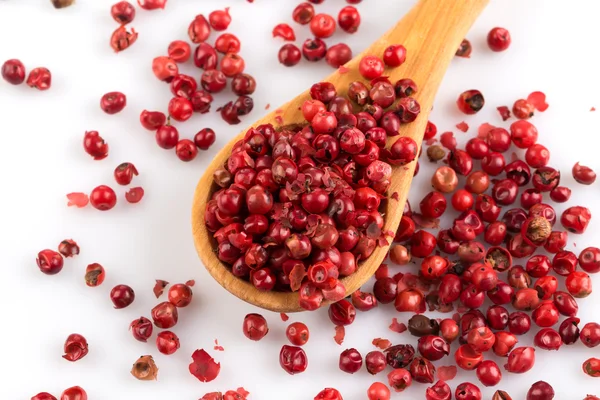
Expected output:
(431, 32)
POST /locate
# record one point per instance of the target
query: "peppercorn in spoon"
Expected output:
(431, 33)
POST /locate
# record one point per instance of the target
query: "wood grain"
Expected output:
(431, 33)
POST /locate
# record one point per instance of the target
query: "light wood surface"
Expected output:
(431, 33)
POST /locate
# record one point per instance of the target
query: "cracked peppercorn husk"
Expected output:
(144, 369)
(62, 3)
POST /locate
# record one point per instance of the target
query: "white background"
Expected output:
(555, 49)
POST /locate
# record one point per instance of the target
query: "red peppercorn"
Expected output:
(43, 396)
(540, 391)
(199, 29)
(180, 109)
(477, 182)
(123, 12)
(121, 39)
(470, 102)
(537, 156)
(49, 262)
(152, 4)
(505, 342)
(489, 373)
(337, 55)
(74, 393)
(228, 43)
(342, 313)
(94, 145)
(462, 200)
(297, 333)
(465, 49)
(180, 295)
(167, 136)
(103, 198)
(122, 296)
(293, 360)
(141, 329)
(220, 19)
(399, 379)
(467, 358)
(589, 260)
(378, 391)
(152, 120)
(124, 173)
(76, 347)
(520, 360)
(329, 394)
(179, 51)
(322, 26)
(303, 13)
(590, 334)
(348, 19)
(165, 68)
(584, 175)
(165, 315)
(375, 362)
(522, 109)
(498, 39)
(13, 72)
(167, 342)
(371, 67)
(94, 275)
(232, 64)
(68, 248)
(523, 134)
(591, 367)
(576, 219)
(394, 56)
(545, 315)
(255, 327)
(186, 150)
(289, 55)
(547, 339)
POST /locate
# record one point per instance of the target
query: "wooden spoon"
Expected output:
(431, 32)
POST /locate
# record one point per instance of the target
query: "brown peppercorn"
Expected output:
(419, 325)
(145, 369)
(435, 153)
(501, 395)
(62, 3)
(399, 255)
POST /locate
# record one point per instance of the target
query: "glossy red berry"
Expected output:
(49, 262)
(74, 393)
(122, 296)
(141, 329)
(470, 102)
(167, 342)
(220, 19)
(322, 26)
(186, 150)
(13, 71)
(297, 333)
(167, 137)
(124, 173)
(113, 102)
(289, 55)
(293, 360)
(394, 55)
(371, 67)
(348, 19)
(94, 145)
(498, 39)
(180, 295)
(103, 198)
